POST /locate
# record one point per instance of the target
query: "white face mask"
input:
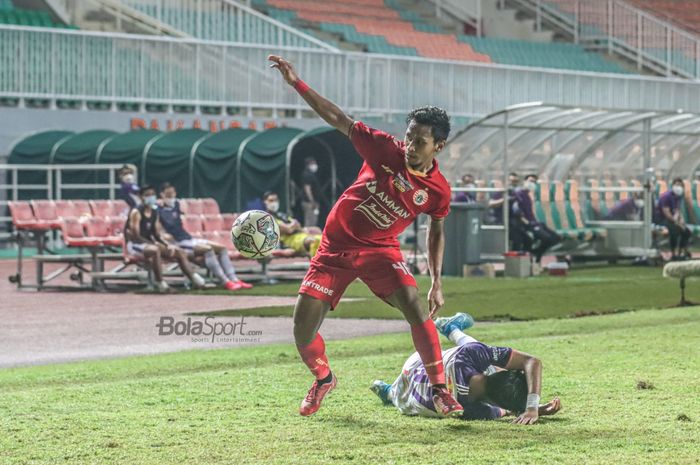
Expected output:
(128, 178)
(639, 203)
(313, 168)
(678, 190)
(169, 201)
(150, 201)
(531, 186)
(272, 206)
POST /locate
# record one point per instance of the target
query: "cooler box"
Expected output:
(517, 264)
(558, 269)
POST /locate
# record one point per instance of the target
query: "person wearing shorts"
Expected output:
(215, 255)
(303, 240)
(490, 382)
(398, 181)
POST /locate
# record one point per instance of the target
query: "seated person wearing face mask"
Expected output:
(467, 197)
(143, 238)
(304, 241)
(216, 257)
(627, 210)
(526, 233)
(668, 213)
(129, 191)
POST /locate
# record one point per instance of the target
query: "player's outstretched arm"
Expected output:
(532, 367)
(436, 250)
(326, 109)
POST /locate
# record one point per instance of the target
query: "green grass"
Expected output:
(586, 290)
(240, 406)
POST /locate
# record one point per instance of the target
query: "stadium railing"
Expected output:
(619, 27)
(117, 68)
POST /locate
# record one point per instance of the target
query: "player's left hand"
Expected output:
(435, 299)
(528, 417)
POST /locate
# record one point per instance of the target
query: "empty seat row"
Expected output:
(44, 215)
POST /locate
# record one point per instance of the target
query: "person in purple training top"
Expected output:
(668, 213)
(626, 210)
(525, 232)
(466, 197)
(129, 190)
(489, 382)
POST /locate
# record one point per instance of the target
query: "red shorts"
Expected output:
(383, 270)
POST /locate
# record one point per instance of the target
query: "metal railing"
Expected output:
(618, 27)
(468, 11)
(223, 20)
(52, 64)
(49, 182)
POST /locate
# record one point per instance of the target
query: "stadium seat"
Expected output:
(116, 226)
(73, 232)
(102, 208)
(193, 224)
(227, 221)
(82, 208)
(23, 217)
(99, 229)
(120, 208)
(213, 223)
(192, 206)
(210, 207)
(45, 211)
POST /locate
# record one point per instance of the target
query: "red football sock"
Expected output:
(314, 355)
(427, 343)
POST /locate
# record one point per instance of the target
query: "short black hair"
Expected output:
(677, 180)
(508, 390)
(434, 117)
(513, 173)
(148, 187)
(166, 185)
(266, 194)
(532, 176)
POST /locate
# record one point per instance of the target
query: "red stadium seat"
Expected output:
(82, 208)
(74, 234)
(116, 226)
(23, 217)
(66, 209)
(193, 206)
(101, 208)
(213, 236)
(227, 220)
(45, 211)
(210, 207)
(99, 229)
(192, 224)
(213, 223)
(120, 208)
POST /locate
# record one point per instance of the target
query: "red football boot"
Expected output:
(312, 401)
(445, 404)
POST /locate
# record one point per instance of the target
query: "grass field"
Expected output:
(585, 290)
(240, 406)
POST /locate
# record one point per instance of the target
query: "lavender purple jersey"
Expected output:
(412, 390)
(669, 200)
(522, 206)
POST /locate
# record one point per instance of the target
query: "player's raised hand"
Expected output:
(285, 68)
(435, 300)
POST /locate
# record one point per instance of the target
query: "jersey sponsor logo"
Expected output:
(316, 286)
(376, 213)
(402, 266)
(371, 186)
(387, 169)
(420, 197)
(391, 203)
(402, 183)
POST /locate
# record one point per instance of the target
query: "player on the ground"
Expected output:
(398, 181)
(489, 382)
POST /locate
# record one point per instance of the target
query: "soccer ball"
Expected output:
(255, 234)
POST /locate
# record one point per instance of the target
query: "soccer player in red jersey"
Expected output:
(398, 180)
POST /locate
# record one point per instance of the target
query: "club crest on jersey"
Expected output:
(371, 186)
(420, 197)
(402, 184)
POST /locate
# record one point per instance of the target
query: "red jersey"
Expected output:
(385, 198)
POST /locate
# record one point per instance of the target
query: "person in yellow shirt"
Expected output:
(304, 241)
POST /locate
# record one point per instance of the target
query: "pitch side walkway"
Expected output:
(52, 327)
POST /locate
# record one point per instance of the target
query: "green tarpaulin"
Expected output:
(262, 166)
(34, 150)
(214, 167)
(126, 148)
(80, 149)
(168, 159)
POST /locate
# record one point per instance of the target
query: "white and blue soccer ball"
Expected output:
(255, 234)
